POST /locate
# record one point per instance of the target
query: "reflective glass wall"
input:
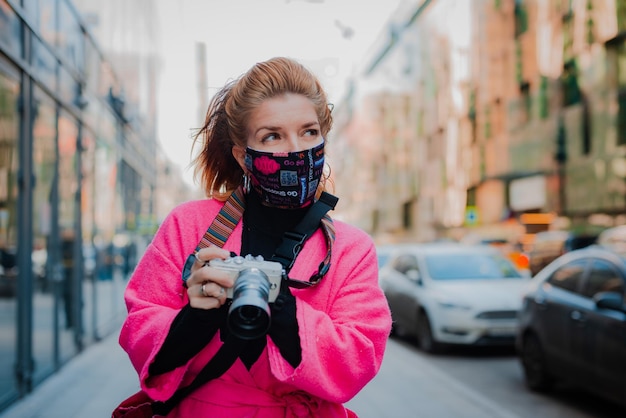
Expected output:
(72, 187)
(9, 133)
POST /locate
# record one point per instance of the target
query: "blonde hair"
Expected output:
(228, 113)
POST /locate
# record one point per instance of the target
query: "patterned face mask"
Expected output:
(286, 179)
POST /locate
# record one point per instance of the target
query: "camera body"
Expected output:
(235, 266)
(257, 284)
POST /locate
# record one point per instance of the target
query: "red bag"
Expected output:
(138, 405)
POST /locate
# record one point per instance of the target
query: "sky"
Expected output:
(331, 37)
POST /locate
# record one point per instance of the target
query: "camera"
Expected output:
(257, 284)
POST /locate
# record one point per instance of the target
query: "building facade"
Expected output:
(78, 173)
(492, 118)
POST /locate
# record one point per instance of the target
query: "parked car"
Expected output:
(573, 324)
(548, 245)
(447, 293)
(383, 252)
(614, 238)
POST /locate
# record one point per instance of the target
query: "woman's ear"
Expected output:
(239, 153)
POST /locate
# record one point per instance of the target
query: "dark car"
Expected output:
(573, 324)
(548, 245)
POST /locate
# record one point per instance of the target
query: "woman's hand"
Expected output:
(206, 286)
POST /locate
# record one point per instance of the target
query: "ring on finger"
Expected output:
(203, 291)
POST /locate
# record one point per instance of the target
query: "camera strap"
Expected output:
(217, 366)
(225, 221)
(293, 241)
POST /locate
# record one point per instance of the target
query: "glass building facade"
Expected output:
(77, 184)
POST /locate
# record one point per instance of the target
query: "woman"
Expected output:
(263, 140)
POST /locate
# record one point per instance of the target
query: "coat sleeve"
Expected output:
(154, 296)
(343, 341)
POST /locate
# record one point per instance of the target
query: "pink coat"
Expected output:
(343, 323)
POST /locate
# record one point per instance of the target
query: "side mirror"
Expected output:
(414, 275)
(610, 300)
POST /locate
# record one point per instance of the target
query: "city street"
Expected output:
(462, 383)
(466, 383)
(127, 128)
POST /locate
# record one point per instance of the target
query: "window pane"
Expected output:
(469, 266)
(72, 42)
(68, 86)
(9, 94)
(45, 64)
(10, 29)
(68, 184)
(44, 157)
(88, 188)
(569, 276)
(604, 277)
(43, 15)
(92, 66)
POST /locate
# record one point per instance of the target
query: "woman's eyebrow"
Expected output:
(269, 128)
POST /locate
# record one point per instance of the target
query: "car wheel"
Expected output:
(534, 364)
(398, 330)
(425, 340)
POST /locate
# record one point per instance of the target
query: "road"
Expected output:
(466, 383)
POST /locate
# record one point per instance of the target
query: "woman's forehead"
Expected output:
(280, 111)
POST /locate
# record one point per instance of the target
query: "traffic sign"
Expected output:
(471, 215)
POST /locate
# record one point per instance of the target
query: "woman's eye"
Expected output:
(269, 137)
(312, 132)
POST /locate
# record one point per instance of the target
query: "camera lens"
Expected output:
(249, 314)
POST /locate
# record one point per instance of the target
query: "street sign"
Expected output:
(471, 216)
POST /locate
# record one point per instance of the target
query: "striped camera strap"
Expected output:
(232, 211)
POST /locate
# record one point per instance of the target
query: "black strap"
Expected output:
(218, 365)
(292, 241)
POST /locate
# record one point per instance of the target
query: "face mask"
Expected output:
(286, 179)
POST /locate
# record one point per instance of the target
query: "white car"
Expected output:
(447, 293)
(384, 251)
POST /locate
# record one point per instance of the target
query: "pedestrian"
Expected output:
(322, 337)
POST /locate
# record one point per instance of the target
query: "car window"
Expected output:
(569, 276)
(469, 266)
(382, 259)
(577, 242)
(603, 277)
(404, 263)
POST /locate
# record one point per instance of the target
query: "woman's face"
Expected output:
(285, 123)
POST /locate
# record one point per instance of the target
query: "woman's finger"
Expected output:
(209, 274)
(209, 253)
(199, 293)
(202, 302)
(202, 257)
(212, 289)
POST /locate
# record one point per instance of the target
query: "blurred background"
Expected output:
(480, 121)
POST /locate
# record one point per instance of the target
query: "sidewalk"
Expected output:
(408, 386)
(90, 385)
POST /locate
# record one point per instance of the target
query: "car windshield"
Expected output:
(469, 266)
